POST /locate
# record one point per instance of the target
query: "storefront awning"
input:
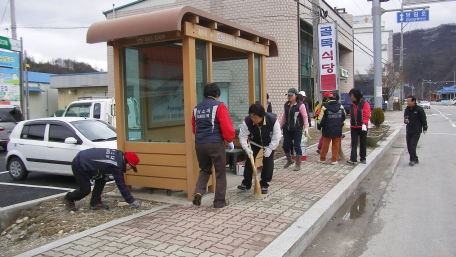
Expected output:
(34, 89)
(167, 21)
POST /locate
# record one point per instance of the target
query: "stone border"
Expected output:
(9, 213)
(87, 232)
(294, 240)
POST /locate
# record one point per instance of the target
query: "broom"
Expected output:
(257, 187)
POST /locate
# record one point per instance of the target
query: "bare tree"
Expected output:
(391, 79)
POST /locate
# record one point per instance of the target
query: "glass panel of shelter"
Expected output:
(230, 73)
(154, 93)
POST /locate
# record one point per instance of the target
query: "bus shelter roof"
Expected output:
(167, 21)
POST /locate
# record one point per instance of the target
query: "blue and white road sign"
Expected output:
(413, 16)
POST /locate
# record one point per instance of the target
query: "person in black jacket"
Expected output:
(331, 124)
(96, 163)
(263, 131)
(415, 118)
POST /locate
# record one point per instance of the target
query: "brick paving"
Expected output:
(243, 228)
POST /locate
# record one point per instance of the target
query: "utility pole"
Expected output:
(13, 19)
(299, 47)
(401, 57)
(454, 83)
(377, 16)
(315, 21)
(26, 86)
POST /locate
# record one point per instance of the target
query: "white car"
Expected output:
(425, 104)
(453, 101)
(49, 145)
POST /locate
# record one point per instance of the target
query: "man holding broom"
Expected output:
(263, 131)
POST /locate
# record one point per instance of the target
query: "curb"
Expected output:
(93, 230)
(295, 239)
(9, 213)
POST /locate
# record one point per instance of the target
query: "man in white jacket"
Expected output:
(263, 131)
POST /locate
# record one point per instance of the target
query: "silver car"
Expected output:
(10, 115)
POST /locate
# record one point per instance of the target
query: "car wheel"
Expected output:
(17, 169)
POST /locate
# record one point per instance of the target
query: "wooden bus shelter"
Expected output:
(162, 60)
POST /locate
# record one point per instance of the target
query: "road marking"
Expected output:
(46, 187)
(446, 134)
(4, 172)
(454, 125)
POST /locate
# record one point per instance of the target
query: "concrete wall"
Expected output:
(68, 95)
(363, 32)
(41, 104)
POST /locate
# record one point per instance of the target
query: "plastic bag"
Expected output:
(304, 141)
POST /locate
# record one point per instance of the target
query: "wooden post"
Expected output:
(251, 69)
(263, 82)
(189, 70)
(209, 62)
(118, 89)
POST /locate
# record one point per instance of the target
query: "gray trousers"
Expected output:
(212, 154)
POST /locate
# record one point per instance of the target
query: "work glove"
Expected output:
(305, 132)
(98, 176)
(248, 152)
(135, 204)
(267, 152)
(230, 146)
(364, 127)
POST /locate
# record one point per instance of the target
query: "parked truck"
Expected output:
(104, 109)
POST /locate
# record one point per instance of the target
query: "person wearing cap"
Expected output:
(302, 98)
(96, 164)
(331, 125)
(319, 115)
(212, 126)
(294, 120)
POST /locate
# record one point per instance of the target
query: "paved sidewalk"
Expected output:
(244, 228)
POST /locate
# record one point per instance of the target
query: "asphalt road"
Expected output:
(35, 186)
(399, 210)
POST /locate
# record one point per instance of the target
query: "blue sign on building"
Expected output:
(10, 60)
(413, 16)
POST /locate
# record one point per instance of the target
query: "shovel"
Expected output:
(257, 187)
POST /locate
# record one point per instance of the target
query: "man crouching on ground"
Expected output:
(263, 130)
(96, 163)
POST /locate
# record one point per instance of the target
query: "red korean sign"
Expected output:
(328, 56)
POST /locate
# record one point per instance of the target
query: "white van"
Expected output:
(104, 109)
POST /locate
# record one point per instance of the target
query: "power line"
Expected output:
(3, 16)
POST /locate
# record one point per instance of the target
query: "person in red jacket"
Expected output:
(359, 118)
(212, 125)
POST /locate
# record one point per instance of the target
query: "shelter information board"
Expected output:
(328, 56)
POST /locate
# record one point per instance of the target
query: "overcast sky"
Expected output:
(45, 44)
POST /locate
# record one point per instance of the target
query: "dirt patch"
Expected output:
(49, 221)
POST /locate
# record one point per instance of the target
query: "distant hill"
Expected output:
(430, 54)
(59, 66)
